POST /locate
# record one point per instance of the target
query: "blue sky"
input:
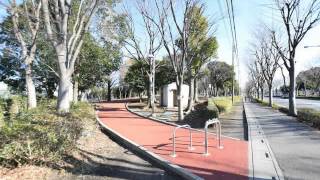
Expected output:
(249, 15)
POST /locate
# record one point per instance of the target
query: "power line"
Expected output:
(235, 54)
(236, 44)
(231, 24)
(234, 28)
(224, 21)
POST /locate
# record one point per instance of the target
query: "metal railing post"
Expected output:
(174, 138)
(218, 134)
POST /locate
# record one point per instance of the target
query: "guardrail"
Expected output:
(174, 138)
(218, 134)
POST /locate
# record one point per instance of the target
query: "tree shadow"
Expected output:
(96, 165)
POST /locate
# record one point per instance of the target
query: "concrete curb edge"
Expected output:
(251, 164)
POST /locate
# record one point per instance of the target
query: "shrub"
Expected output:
(224, 104)
(283, 109)
(309, 115)
(304, 114)
(212, 112)
(16, 105)
(40, 136)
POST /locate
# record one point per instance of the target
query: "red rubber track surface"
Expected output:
(231, 162)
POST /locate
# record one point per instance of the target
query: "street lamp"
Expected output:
(152, 71)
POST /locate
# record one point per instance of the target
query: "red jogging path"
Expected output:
(231, 162)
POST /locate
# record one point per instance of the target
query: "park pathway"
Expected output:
(295, 145)
(228, 163)
(232, 122)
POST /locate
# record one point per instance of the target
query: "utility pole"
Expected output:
(233, 74)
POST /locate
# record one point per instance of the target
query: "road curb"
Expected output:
(150, 155)
(262, 161)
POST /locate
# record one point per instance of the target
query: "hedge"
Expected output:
(304, 114)
(310, 116)
(224, 104)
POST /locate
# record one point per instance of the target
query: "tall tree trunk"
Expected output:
(262, 93)
(65, 83)
(179, 95)
(270, 95)
(109, 90)
(305, 89)
(50, 92)
(140, 97)
(292, 89)
(31, 90)
(70, 91)
(76, 90)
(50, 88)
(196, 97)
(191, 95)
(63, 105)
(150, 94)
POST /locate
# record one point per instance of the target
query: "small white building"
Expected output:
(169, 95)
(4, 90)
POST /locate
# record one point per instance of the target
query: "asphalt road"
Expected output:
(295, 145)
(301, 103)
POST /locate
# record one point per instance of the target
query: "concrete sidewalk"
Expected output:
(231, 162)
(295, 145)
(232, 122)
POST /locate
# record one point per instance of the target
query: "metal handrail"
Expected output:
(218, 134)
(174, 138)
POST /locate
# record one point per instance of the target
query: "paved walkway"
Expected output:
(229, 163)
(295, 145)
(232, 122)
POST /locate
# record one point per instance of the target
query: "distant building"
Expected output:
(169, 96)
(4, 90)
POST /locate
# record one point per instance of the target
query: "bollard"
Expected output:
(218, 134)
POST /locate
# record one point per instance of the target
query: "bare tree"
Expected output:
(145, 52)
(250, 88)
(172, 31)
(29, 11)
(298, 19)
(258, 78)
(65, 25)
(267, 57)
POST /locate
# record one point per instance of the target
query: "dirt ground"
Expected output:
(97, 157)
